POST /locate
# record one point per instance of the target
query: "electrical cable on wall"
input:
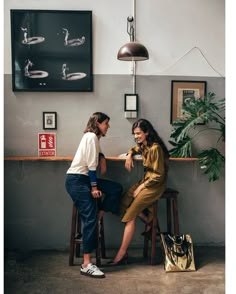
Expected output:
(195, 47)
(134, 62)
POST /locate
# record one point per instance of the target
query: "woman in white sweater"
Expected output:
(84, 187)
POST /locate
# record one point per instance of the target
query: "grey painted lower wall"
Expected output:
(37, 207)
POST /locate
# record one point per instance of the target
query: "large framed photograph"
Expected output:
(49, 120)
(180, 92)
(51, 50)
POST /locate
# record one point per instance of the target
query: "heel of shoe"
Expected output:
(123, 260)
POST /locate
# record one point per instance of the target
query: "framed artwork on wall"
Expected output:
(51, 50)
(49, 120)
(131, 102)
(182, 90)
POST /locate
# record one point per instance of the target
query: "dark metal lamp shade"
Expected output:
(133, 51)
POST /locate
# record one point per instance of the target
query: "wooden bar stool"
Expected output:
(76, 239)
(171, 197)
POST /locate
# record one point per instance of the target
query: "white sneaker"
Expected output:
(92, 271)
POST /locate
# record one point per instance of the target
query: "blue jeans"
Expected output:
(79, 189)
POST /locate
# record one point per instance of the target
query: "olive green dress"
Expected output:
(154, 179)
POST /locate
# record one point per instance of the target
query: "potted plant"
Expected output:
(200, 115)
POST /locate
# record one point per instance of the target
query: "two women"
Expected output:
(84, 187)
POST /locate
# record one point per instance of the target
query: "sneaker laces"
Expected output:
(94, 267)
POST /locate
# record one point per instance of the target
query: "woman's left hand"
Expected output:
(96, 193)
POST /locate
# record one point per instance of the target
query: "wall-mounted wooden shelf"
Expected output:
(69, 158)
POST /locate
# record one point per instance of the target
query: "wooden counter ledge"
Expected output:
(69, 158)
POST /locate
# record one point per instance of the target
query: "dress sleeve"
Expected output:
(154, 165)
(134, 150)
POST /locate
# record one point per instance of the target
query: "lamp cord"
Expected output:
(195, 47)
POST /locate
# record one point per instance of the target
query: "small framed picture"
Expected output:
(180, 92)
(50, 120)
(131, 102)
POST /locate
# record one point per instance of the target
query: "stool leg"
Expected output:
(103, 247)
(168, 214)
(98, 250)
(176, 216)
(145, 245)
(72, 236)
(154, 230)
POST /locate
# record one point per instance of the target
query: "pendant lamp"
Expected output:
(132, 51)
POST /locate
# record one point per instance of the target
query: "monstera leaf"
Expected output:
(212, 161)
(200, 112)
(182, 148)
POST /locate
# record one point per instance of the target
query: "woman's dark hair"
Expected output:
(153, 136)
(92, 122)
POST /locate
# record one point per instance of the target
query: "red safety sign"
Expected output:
(46, 144)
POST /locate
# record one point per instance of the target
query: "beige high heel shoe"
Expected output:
(123, 260)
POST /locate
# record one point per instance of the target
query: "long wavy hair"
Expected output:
(153, 136)
(92, 122)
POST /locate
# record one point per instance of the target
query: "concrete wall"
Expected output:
(183, 38)
(37, 209)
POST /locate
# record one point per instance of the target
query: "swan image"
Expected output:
(33, 74)
(64, 69)
(71, 76)
(72, 42)
(30, 40)
(26, 68)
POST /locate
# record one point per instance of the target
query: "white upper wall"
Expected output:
(184, 37)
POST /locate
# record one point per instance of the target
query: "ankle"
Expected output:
(120, 254)
(84, 265)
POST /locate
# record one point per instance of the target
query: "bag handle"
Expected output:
(178, 253)
(184, 247)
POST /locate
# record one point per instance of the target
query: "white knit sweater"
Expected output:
(86, 156)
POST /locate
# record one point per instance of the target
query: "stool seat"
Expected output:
(76, 238)
(171, 197)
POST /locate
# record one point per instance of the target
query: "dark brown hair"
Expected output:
(153, 136)
(92, 122)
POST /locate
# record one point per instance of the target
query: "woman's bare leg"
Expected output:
(127, 237)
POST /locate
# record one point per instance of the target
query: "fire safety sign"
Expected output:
(46, 144)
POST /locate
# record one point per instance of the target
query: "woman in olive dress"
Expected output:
(138, 200)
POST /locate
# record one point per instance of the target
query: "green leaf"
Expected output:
(212, 161)
(181, 148)
(197, 112)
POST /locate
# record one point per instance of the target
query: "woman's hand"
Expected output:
(138, 190)
(129, 162)
(103, 165)
(96, 193)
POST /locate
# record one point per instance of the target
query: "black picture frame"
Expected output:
(49, 120)
(131, 102)
(51, 50)
(180, 90)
